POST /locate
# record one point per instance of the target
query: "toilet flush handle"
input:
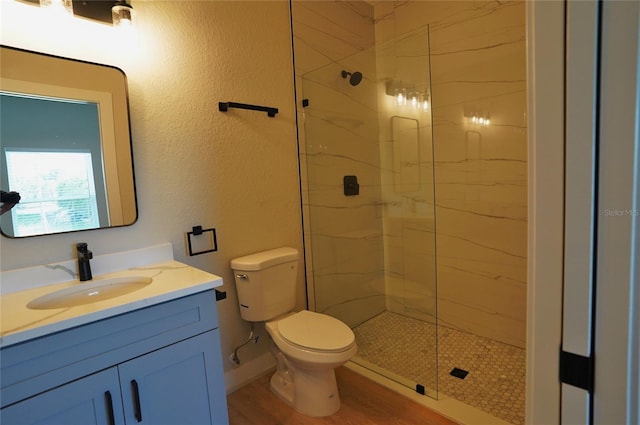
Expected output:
(242, 276)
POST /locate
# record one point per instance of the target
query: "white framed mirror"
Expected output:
(65, 145)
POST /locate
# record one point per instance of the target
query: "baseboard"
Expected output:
(248, 372)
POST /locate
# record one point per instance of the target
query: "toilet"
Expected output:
(308, 346)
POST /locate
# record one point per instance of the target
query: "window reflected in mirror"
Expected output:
(57, 189)
(65, 145)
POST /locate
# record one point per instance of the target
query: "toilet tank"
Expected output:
(266, 283)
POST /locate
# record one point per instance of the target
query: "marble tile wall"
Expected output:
(343, 234)
(477, 67)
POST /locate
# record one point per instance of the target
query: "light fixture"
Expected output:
(414, 100)
(479, 119)
(407, 95)
(424, 101)
(118, 13)
(58, 7)
(401, 96)
(122, 14)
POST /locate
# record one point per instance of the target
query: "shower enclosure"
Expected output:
(369, 210)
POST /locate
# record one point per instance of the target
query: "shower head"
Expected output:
(355, 77)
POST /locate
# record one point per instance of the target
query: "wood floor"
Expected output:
(364, 402)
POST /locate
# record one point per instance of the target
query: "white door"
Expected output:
(599, 360)
(584, 214)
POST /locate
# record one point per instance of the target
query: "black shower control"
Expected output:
(351, 186)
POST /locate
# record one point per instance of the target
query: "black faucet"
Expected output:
(84, 267)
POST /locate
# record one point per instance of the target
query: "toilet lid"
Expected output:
(316, 331)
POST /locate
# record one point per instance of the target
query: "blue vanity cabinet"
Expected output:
(158, 365)
(175, 385)
(93, 400)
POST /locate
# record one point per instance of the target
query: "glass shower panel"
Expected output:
(345, 231)
(369, 207)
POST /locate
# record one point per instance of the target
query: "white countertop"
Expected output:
(171, 280)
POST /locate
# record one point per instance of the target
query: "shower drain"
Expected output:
(459, 373)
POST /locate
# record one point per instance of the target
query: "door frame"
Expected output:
(615, 397)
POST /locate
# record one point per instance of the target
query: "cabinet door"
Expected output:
(180, 384)
(94, 399)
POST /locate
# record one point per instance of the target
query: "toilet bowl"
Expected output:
(308, 346)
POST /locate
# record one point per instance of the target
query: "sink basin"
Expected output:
(89, 292)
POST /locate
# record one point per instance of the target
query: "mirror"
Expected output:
(65, 145)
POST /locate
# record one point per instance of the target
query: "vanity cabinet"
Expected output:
(171, 385)
(94, 399)
(157, 365)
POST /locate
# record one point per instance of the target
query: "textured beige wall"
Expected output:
(194, 165)
(478, 65)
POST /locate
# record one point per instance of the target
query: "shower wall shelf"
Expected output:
(224, 107)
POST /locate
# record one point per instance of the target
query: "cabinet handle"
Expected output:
(112, 420)
(136, 400)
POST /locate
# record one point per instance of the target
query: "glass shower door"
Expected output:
(368, 198)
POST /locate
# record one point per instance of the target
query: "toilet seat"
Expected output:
(314, 331)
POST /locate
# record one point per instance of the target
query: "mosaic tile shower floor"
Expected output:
(406, 346)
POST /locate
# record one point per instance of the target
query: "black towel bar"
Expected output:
(224, 107)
